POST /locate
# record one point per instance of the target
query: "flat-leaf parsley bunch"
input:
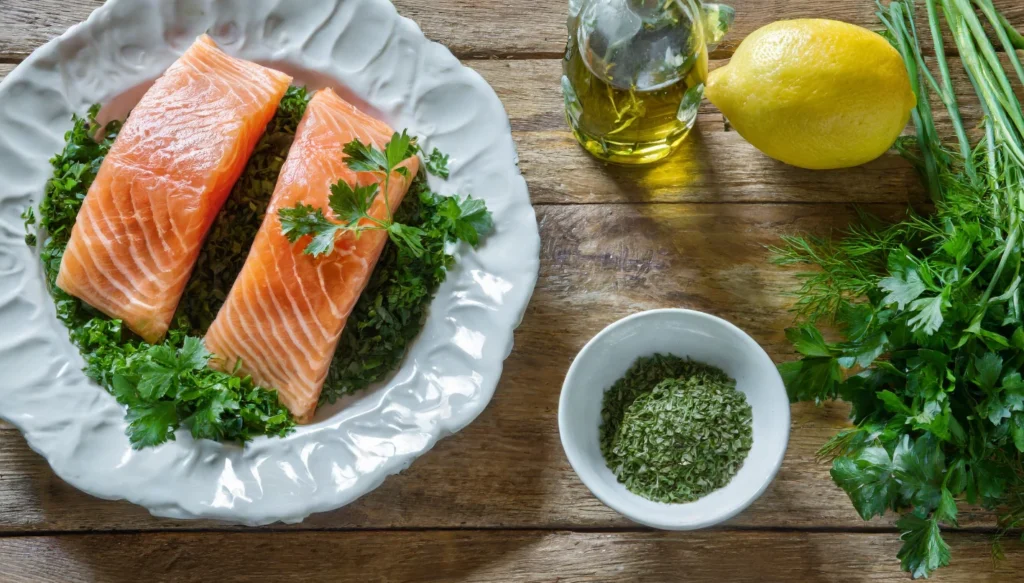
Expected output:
(929, 308)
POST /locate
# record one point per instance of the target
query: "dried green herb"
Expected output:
(674, 430)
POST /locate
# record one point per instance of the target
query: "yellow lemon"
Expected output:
(815, 93)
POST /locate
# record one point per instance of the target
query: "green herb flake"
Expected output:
(673, 430)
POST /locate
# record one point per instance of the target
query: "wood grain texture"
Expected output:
(606, 253)
(507, 469)
(487, 557)
(473, 29)
(713, 166)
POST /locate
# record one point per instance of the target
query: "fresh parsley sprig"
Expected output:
(391, 310)
(170, 385)
(437, 164)
(351, 205)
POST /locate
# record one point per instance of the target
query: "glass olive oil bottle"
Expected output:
(634, 72)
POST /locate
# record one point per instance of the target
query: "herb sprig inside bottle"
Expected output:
(674, 430)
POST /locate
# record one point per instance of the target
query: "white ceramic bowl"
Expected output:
(683, 333)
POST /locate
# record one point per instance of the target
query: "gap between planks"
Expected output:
(244, 530)
(714, 166)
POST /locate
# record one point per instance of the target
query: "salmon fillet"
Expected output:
(160, 187)
(286, 311)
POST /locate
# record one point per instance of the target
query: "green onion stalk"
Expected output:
(927, 310)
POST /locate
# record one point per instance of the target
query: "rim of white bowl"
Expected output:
(614, 502)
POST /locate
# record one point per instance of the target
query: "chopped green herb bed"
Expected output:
(227, 244)
(674, 430)
(169, 386)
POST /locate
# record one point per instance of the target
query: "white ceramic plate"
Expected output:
(365, 49)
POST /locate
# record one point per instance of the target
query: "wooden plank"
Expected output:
(714, 166)
(522, 28)
(484, 28)
(507, 469)
(488, 557)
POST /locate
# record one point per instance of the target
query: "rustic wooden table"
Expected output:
(498, 502)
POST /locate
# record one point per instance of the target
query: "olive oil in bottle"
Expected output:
(634, 72)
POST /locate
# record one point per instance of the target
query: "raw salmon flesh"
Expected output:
(160, 187)
(286, 311)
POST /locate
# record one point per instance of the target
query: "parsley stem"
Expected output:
(380, 224)
(387, 190)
